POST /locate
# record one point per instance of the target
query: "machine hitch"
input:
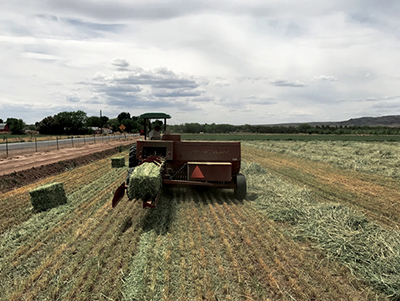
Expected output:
(152, 203)
(119, 194)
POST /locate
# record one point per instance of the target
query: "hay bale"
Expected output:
(145, 181)
(48, 196)
(118, 162)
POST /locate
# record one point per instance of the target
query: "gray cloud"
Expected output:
(259, 100)
(72, 98)
(120, 64)
(251, 79)
(330, 78)
(287, 83)
(145, 88)
(94, 26)
(241, 56)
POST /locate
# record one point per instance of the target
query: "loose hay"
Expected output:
(370, 251)
(48, 196)
(118, 162)
(145, 181)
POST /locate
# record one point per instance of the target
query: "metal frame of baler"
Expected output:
(166, 178)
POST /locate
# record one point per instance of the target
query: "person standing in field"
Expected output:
(155, 134)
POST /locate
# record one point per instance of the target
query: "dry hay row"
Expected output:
(38, 258)
(378, 202)
(279, 277)
(43, 226)
(99, 270)
(218, 248)
(149, 265)
(294, 267)
(367, 249)
(15, 205)
(381, 158)
(87, 220)
(66, 238)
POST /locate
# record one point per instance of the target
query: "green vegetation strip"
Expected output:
(40, 222)
(370, 251)
(146, 278)
(370, 157)
(296, 137)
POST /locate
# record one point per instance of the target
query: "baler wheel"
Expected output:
(133, 162)
(240, 190)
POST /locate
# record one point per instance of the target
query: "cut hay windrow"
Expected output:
(145, 181)
(196, 245)
(48, 196)
(381, 158)
(369, 250)
(42, 232)
(15, 205)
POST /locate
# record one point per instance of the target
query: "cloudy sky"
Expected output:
(226, 61)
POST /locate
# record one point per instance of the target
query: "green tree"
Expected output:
(103, 120)
(72, 122)
(114, 123)
(129, 124)
(31, 127)
(93, 121)
(123, 115)
(49, 126)
(138, 123)
(1, 121)
(16, 126)
(96, 121)
(304, 128)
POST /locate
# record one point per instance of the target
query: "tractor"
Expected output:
(186, 163)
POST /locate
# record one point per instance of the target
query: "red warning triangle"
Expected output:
(197, 173)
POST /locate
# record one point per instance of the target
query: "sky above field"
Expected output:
(226, 61)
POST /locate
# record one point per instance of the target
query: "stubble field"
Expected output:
(310, 229)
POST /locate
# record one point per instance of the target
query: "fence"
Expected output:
(8, 149)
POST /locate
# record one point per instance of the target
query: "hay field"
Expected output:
(202, 244)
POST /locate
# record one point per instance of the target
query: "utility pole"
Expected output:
(101, 124)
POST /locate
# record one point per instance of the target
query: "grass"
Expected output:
(288, 137)
(198, 244)
(370, 157)
(369, 250)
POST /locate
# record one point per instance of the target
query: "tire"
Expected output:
(133, 162)
(240, 190)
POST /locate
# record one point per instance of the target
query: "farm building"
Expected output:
(4, 128)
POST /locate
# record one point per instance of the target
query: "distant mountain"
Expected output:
(389, 121)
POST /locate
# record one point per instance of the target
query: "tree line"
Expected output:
(77, 122)
(300, 129)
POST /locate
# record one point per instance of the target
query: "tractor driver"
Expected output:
(155, 134)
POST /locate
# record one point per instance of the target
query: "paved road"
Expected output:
(70, 142)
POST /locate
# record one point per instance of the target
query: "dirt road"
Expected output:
(24, 162)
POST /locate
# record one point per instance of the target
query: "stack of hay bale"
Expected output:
(118, 162)
(145, 181)
(48, 196)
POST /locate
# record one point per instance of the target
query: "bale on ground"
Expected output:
(145, 181)
(118, 162)
(48, 196)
